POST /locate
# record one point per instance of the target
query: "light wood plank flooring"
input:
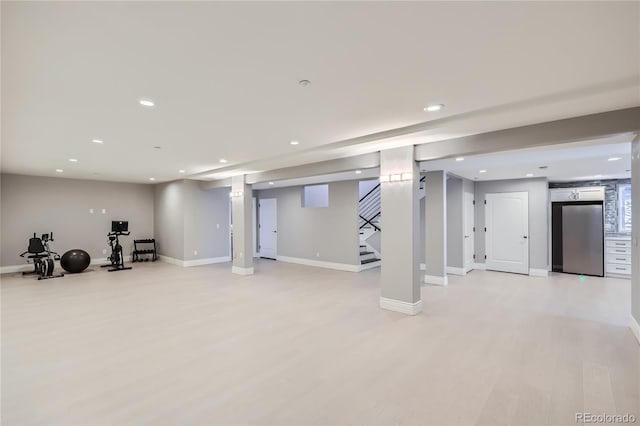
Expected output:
(297, 345)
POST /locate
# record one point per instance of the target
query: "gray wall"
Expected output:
(436, 223)
(169, 219)
(454, 222)
(206, 222)
(538, 216)
(635, 229)
(331, 231)
(44, 204)
(187, 219)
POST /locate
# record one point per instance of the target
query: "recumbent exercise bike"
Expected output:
(43, 262)
(116, 258)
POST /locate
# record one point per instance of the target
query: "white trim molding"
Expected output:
(241, 271)
(635, 327)
(536, 272)
(480, 266)
(401, 306)
(432, 279)
(195, 262)
(320, 263)
(456, 271)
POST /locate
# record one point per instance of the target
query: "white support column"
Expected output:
(435, 210)
(242, 217)
(400, 237)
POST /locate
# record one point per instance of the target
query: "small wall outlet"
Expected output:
(104, 251)
(91, 211)
(104, 211)
(318, 254)
(195, 252)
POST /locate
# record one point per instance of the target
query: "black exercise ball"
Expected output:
(75, 261)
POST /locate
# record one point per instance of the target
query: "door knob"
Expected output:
(525, 237)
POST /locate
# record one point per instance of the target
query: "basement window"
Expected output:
(315, 196)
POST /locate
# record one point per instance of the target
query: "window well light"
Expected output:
(433, 108)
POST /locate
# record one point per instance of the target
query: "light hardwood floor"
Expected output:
(161, 344)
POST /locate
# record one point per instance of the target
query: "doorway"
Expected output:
(268, 224)
(507, 232)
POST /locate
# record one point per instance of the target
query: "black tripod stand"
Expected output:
(116, 258)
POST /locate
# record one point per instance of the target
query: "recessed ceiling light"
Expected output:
(614, 158)
(157, 147)
(181, 171)
(543, 167)
(460, 159)
(304, 83)
(358, 172)
(482, 171)
(270, 183)
(152, 178)
(294, 143)
(222, 160)
(97, 141)
(73, 160)
(147, 102)
(59, 170)
(433, 108)
(529, 175)
(597, 176)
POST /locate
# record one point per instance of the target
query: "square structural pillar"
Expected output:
(242, 226)
(435, 227)
(400, 236)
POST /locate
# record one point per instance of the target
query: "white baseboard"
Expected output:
(195, 262)
(320, 264)
(242, 271)
(370, 265)
(400, 306)
(456, 271)
(635, 328)
(536, 272)
(432, 279)
(480, 266)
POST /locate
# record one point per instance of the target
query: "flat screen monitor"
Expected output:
(119, 226)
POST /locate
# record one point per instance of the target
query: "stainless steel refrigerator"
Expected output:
(578, 231)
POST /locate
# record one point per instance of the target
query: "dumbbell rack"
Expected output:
(137, 252)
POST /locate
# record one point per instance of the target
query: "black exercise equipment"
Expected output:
(116, 258)
(75, 261)
(41, 256)
(138, 251)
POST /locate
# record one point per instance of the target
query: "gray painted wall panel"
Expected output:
(454, 222)
(331, 231)
(169, 219)
(538, 216)
(635, 205)
(204, 211)
(44, 204)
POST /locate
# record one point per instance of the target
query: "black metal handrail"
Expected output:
(367, 221)
(368, 193)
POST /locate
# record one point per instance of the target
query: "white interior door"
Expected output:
(469, 234)
(507, 234)
(268, 228)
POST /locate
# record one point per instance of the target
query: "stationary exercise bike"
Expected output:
(116, 258)
(42, 257)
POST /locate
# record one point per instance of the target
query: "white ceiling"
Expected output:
(224, 78)
(567, 162)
